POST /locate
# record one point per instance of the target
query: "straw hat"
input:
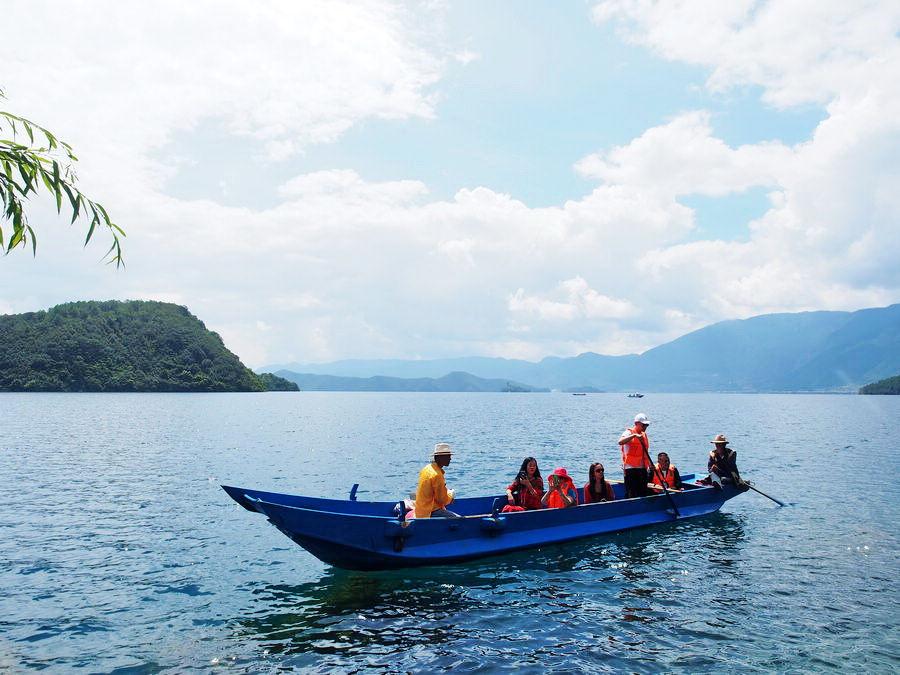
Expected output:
(719, 439)
(442, 449)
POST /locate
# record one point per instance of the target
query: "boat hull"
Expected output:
(367, 536)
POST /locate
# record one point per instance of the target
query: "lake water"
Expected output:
(119, 552)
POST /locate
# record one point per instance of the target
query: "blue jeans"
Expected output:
(444, 513)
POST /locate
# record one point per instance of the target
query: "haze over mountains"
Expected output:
(807, 351)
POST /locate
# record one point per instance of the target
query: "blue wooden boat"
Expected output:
(362, 535)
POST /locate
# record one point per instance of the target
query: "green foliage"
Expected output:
(890, 385)
(274, 383)
(117, 346)
(43, 160)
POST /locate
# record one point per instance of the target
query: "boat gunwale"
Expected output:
(490, 514)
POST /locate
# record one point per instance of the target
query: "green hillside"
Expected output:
(890, 385)
(117, 346)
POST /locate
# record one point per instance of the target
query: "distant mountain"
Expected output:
(807, 351)
(272, 382)
(890, 385)
(119, 346)
(456, 381)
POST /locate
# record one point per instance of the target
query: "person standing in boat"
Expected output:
(722, 464)
(432, 495)
(664, 473)
(635, 446)
(597, 489)
(561, 493)
(528, 487)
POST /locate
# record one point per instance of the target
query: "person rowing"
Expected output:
(634, 444)
(722, 464)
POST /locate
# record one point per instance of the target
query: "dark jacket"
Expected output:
(724, 466)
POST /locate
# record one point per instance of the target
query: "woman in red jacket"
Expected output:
(527, 489)
(597, 488)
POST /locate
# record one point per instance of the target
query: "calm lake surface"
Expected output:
(119, 551)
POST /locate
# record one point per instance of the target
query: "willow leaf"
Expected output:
(90, 232)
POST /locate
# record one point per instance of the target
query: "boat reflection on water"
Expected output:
(600, 584)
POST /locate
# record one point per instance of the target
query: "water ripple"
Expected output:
(119, 553)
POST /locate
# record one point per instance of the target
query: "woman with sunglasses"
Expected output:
(597, 488)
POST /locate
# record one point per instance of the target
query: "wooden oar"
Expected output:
(665, 489)
(750, 485)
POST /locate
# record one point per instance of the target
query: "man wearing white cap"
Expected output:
(432, 495)
(635, 446)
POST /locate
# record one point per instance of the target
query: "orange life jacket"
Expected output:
(555, 501)
(633, 454)
(669, 476)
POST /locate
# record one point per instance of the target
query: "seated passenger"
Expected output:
(527, 489)
(561, 493)
(432, 495)
(664, 474)
(722, 464)
(597, 488)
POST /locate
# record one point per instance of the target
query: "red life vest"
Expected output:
(555, 501)
(633, 453)
(669, 476)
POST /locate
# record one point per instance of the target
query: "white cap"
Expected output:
(642, 418)
(442, 449)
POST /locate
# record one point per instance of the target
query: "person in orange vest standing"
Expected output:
(635, 446)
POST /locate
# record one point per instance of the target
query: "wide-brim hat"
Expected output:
(442, 450)
(561, 472)
(719, 439)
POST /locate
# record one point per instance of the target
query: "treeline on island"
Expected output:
(890, 385)
(136, 346)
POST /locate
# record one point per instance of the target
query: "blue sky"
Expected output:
(370, 179)
(547, 86)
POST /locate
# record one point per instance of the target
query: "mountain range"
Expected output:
(456, 381)
(806, 351)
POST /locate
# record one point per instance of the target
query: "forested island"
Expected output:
(113, 346)
(891, 385)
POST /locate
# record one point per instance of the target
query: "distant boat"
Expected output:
(579, 393)
(635, 395)
(371, 536)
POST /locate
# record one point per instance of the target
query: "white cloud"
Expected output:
(288, 74)
(350, 265)
(346, 185)
(579, 300)
(466, 57)
(798, 51)
(683, 157)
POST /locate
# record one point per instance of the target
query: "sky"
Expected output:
(328, 180)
